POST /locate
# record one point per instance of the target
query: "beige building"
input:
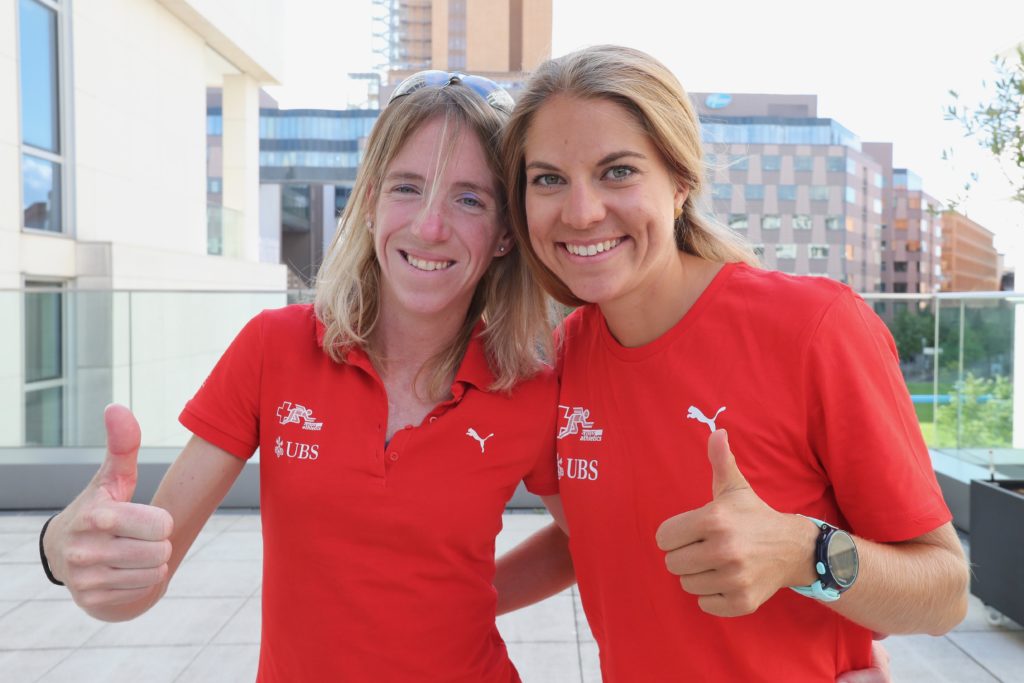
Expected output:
(969, 261)
(104, 213)
(501, 39)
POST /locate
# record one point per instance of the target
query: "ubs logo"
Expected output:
(296, 450)
(577, 468)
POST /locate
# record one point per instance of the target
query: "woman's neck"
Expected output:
(655, 308)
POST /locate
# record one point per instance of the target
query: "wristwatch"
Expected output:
(835, 562)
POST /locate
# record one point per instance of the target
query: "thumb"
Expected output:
(119, 472)
(725, 474)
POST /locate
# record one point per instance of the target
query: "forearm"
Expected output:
(910, 587)
(537, 568)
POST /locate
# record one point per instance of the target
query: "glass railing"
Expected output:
(957, 354)
(224, 231)
(68, 353)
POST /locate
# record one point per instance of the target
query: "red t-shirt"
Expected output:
(804, 377)
(378, 561)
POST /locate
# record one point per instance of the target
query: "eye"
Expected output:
(619, 172)
(405, 189)
(472, 201)
(546, 180)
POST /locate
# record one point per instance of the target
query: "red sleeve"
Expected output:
(542, 480)
(225, 410)
(863, 428)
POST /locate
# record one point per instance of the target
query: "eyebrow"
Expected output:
(606, 159)
(461, 184)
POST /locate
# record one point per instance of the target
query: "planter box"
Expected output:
(997, 545)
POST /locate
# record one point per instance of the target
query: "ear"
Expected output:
(505, 244)
(680, 195)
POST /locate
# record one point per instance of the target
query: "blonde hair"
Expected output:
(645, 88)
(507, 298)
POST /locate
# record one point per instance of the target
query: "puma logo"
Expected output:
(472, 434)
(694, 414)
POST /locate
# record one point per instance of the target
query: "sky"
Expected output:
(883, 69)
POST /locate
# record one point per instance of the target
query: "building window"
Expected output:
(803, 163)
(879, 181)
(754, 192)
(787, 193)
(876, 205)
(785, 251)
(833, 222)
(801, 221)
(818, 251)
(900, 224)
(721, 191)
(771, 221)
(835, 164)
(883, 266)
(738, 221)
(44, 364)
(899, 266)
(913, 245)
(851, 166)
(771, 162)
(42, 160)
(739, 162)
(899, 287)
(851, 195)
(819, 193)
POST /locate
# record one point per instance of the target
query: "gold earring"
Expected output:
(679, 212)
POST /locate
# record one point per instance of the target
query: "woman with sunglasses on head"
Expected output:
(685, 540)
(395, 418)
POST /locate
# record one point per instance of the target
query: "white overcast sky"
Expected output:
(881, 68)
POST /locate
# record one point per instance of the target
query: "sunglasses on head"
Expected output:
(491, 92)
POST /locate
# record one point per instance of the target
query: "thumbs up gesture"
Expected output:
(106, 549)
(736, 551)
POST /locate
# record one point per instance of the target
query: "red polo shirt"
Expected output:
(378, 561)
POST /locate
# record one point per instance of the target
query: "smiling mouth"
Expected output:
(592, 249)
(426, 265)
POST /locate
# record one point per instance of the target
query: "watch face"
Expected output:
(842, 559)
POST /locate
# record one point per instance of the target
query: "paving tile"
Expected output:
(1002, 653)
(244, 626)
(550, 620)
(22, 581)
(172, 621)
(19, 547)
(29, 665)
(590, 663)
(977, 619)
(546, 662)
(243, 545)
(6, 606)
(23, 523)
(109, 664)
(930, 659)
(224, 664)
(248, 521)
(198, 578)
(38, 624)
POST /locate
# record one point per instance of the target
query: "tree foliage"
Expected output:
(998, 124)
(983, 409)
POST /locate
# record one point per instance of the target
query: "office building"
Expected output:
(969, 261)
(800, 187)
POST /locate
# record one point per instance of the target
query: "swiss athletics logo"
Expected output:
(288, 413)
(577, 421)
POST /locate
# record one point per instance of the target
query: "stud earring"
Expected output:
(501, 249)
(679, 212)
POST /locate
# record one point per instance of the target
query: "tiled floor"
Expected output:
(207, 627)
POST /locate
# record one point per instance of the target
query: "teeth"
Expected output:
(421, 264)
(592, 249)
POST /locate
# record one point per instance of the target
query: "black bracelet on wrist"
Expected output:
(42, 555)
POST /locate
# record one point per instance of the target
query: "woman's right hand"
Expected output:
(112, 554)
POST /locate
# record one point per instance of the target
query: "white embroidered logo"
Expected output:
(577, 421)
(472, 434)
(561, 470)
(289, 413)
(694, 414)
(279, 447)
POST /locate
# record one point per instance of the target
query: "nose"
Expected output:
(583, 207)
(431, 224)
